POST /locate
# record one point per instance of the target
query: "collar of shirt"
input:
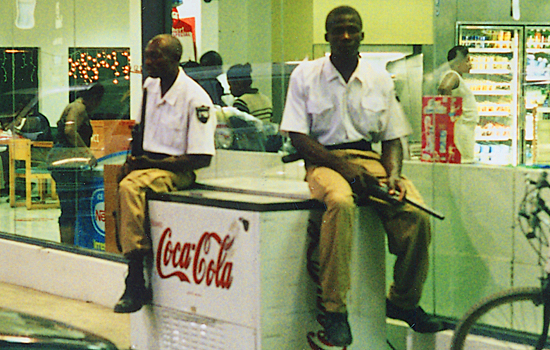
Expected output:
(331, 73)
(173, 93)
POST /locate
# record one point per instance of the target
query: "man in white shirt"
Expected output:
(336, 107)
(178, 138)
(452, 84)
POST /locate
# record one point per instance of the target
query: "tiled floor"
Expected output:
(94, 318)
(40, 223)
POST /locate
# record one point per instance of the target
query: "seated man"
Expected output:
(248, 99)
(336, 107)
(178, 138)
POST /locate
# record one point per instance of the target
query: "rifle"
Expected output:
(379, 192)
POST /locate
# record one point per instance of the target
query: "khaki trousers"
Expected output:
(407, 228)
(132, 233)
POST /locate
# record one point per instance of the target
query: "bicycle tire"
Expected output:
(518, 319)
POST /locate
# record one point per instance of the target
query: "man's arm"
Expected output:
(448, 84)
(392, 161)
(358, 177)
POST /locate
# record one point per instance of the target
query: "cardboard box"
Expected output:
(439, 114)
(110, 136)
(110, 172)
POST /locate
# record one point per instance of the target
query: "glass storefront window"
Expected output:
(54, 50)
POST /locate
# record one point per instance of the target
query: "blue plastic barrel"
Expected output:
(90, 222)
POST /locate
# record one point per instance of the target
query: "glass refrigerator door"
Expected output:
(536, 87)
(494, 80)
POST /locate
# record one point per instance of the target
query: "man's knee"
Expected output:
(340, 201)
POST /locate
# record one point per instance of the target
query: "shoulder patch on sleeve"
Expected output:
(203, 113)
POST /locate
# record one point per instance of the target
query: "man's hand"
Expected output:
(395, 187)
(133, 163)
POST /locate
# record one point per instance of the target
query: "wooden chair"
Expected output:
(21, 166)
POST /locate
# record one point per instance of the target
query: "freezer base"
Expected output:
(160, 328)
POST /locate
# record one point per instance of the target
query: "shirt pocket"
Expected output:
(370, 118)
(320, 111)
(170, 131)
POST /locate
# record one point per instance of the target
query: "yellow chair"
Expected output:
(20, 152)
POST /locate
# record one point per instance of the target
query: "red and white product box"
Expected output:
(439, 114)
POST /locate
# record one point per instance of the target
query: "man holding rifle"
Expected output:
(336, 107)
(177, 138)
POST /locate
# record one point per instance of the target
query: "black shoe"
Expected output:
(337, 330)
(416, 318)
(132, 300)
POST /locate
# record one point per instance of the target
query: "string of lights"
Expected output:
(88, 65)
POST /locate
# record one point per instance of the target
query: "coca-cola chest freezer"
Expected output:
(211, 289)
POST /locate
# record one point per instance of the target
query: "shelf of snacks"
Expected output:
(493, 132)
(494, 114)
(486, 85)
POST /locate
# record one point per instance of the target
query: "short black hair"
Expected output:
(211, 58)
(169, 45)
(341, 10)
(240, 72)
(92, 91)
(451, 55)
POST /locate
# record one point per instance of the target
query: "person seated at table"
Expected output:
(28, 123)
(248, 99)
(207, 76)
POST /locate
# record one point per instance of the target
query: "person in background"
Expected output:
(248, 99)
(207, 76)
(35, 126)
(74, 134)
(336, 107)
(452, 84)
(178, 138)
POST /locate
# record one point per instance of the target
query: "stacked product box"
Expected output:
(439, 114)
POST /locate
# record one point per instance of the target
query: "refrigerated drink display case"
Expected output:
(537, 92)
(495, 80)
(510, 78)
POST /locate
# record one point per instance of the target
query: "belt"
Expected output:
(361, 145)
(156, 156)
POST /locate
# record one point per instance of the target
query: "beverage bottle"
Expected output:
(443, 141)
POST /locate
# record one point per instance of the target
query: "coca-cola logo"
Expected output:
(201, 262)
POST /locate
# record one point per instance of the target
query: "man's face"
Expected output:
(463, 64)
(156, 63)
(237, 87)
(345, 35)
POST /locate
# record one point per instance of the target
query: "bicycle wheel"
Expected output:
(511, 319)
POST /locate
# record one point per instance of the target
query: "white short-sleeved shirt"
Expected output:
(182, 121)
(469, 104)
(320, 104)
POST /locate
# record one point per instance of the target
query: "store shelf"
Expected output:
(494, 114)
(490, 71)
(538, 50)
(544, 79)
(492, 92)
(490, 50)
(492, 139)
